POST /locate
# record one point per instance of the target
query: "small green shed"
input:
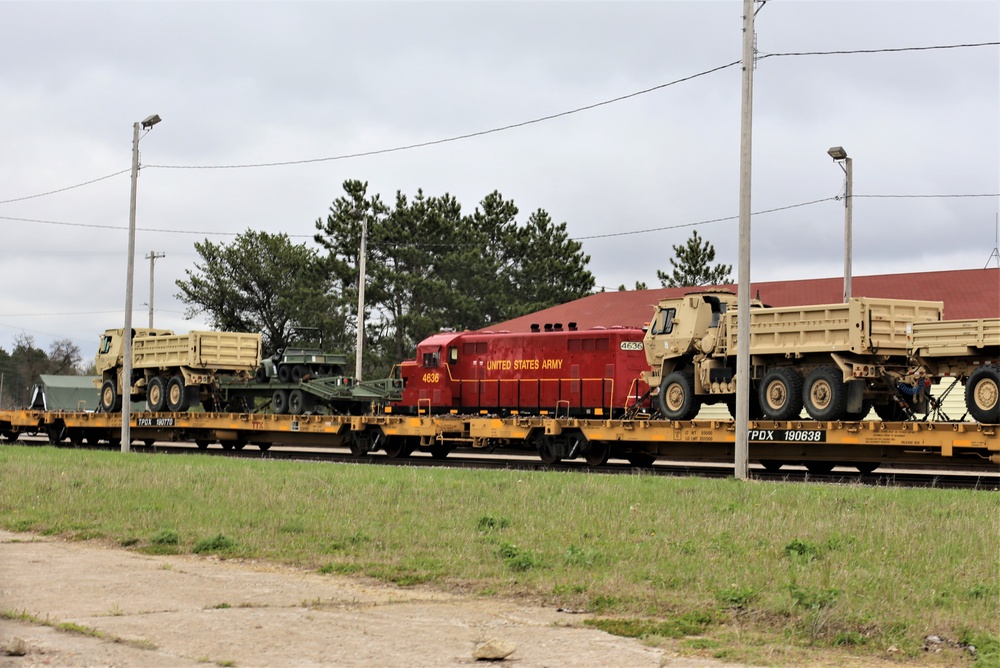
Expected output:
(65, 393)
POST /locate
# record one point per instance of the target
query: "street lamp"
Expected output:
(126, 379)
(839, 156)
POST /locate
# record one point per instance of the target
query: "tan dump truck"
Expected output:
(968, 350)
(173, 371)
(834, 360)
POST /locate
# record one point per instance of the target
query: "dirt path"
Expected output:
(187, 611)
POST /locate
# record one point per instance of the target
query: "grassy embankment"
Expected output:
(743, 571)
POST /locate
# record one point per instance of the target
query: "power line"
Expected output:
(60, 190)
(457, 137)
(762, 55)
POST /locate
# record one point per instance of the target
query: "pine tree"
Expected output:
(692, 266)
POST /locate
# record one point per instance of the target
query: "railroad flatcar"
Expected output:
(565, 372)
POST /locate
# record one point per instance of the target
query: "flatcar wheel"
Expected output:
(264, 447)
(771, 465)
(11, 435)
(865, 468)
(547, 450)
(148, 442)
(226, 445)
(440, 451)
(598, 453)
(982, 394)
(201, 443)
(819, 468)
(641, 459)
(395, 448)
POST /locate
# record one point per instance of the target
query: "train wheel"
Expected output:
(264, 447)
(676, 399)
(176, 395)
(547, 450)
(279, 402)
(598, 453)
(825, 394)
(296, 402)
(201, 443)
(771, 465)
(819, 468)
(440, 451)
(865, 468)
(982, 394)
(396, 448)
(111, 401)
(781, 394)
(11, 435)
(156, 394)
(641, 459)
(226, 445)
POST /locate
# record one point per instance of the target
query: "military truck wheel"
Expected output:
(260, 375)
(299, 371)
(156, 394)
(279, 402)
(284, 374)
(982, 394)
(111, 401)
(825, 394)
(176, 395)
(296, 402)
(676, 399)
(781, 394)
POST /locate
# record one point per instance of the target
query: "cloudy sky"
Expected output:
(246, 83)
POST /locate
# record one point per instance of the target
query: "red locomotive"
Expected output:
(560, 372)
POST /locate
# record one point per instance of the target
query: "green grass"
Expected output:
(757, 571)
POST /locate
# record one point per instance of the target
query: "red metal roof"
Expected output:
(968, 293)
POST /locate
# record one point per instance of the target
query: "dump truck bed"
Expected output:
(957, 338)
(198, 350)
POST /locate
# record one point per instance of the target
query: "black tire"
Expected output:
(111, 401)
(676, 399)
(299, 371)
(261, 374)
(156, 394)
(279, 402)
(982, 394)
(284, 373)
(296, 402)
(825, 394)
(780, 394)
(177, 396)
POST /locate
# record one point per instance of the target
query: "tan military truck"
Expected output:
(835, 360)
(173, 371)
(967, 350)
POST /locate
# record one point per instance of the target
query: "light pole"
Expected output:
(126, 379)
(839, 156)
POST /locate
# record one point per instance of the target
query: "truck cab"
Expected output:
(684, 326)
(109, 348)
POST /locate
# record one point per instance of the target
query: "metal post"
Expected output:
(361, 297)
(153, 255)
(741, 463)
(126, 377)
(848, 206)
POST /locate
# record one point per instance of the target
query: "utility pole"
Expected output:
(153, 255)
(361, 297)
(741, 463)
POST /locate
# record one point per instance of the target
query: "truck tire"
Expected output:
(156, 394)
(781, 394)
(279, 402)
(111, 401)
(297, 402)
(676, 399)
(176, 395)
(982, 394)
(825, 394)
(284, 374)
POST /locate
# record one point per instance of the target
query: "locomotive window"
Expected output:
(469, 348)
(664, 321)
(602, 344)
(452, 355)
(431, 360)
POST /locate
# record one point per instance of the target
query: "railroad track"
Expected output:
(953, 477)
